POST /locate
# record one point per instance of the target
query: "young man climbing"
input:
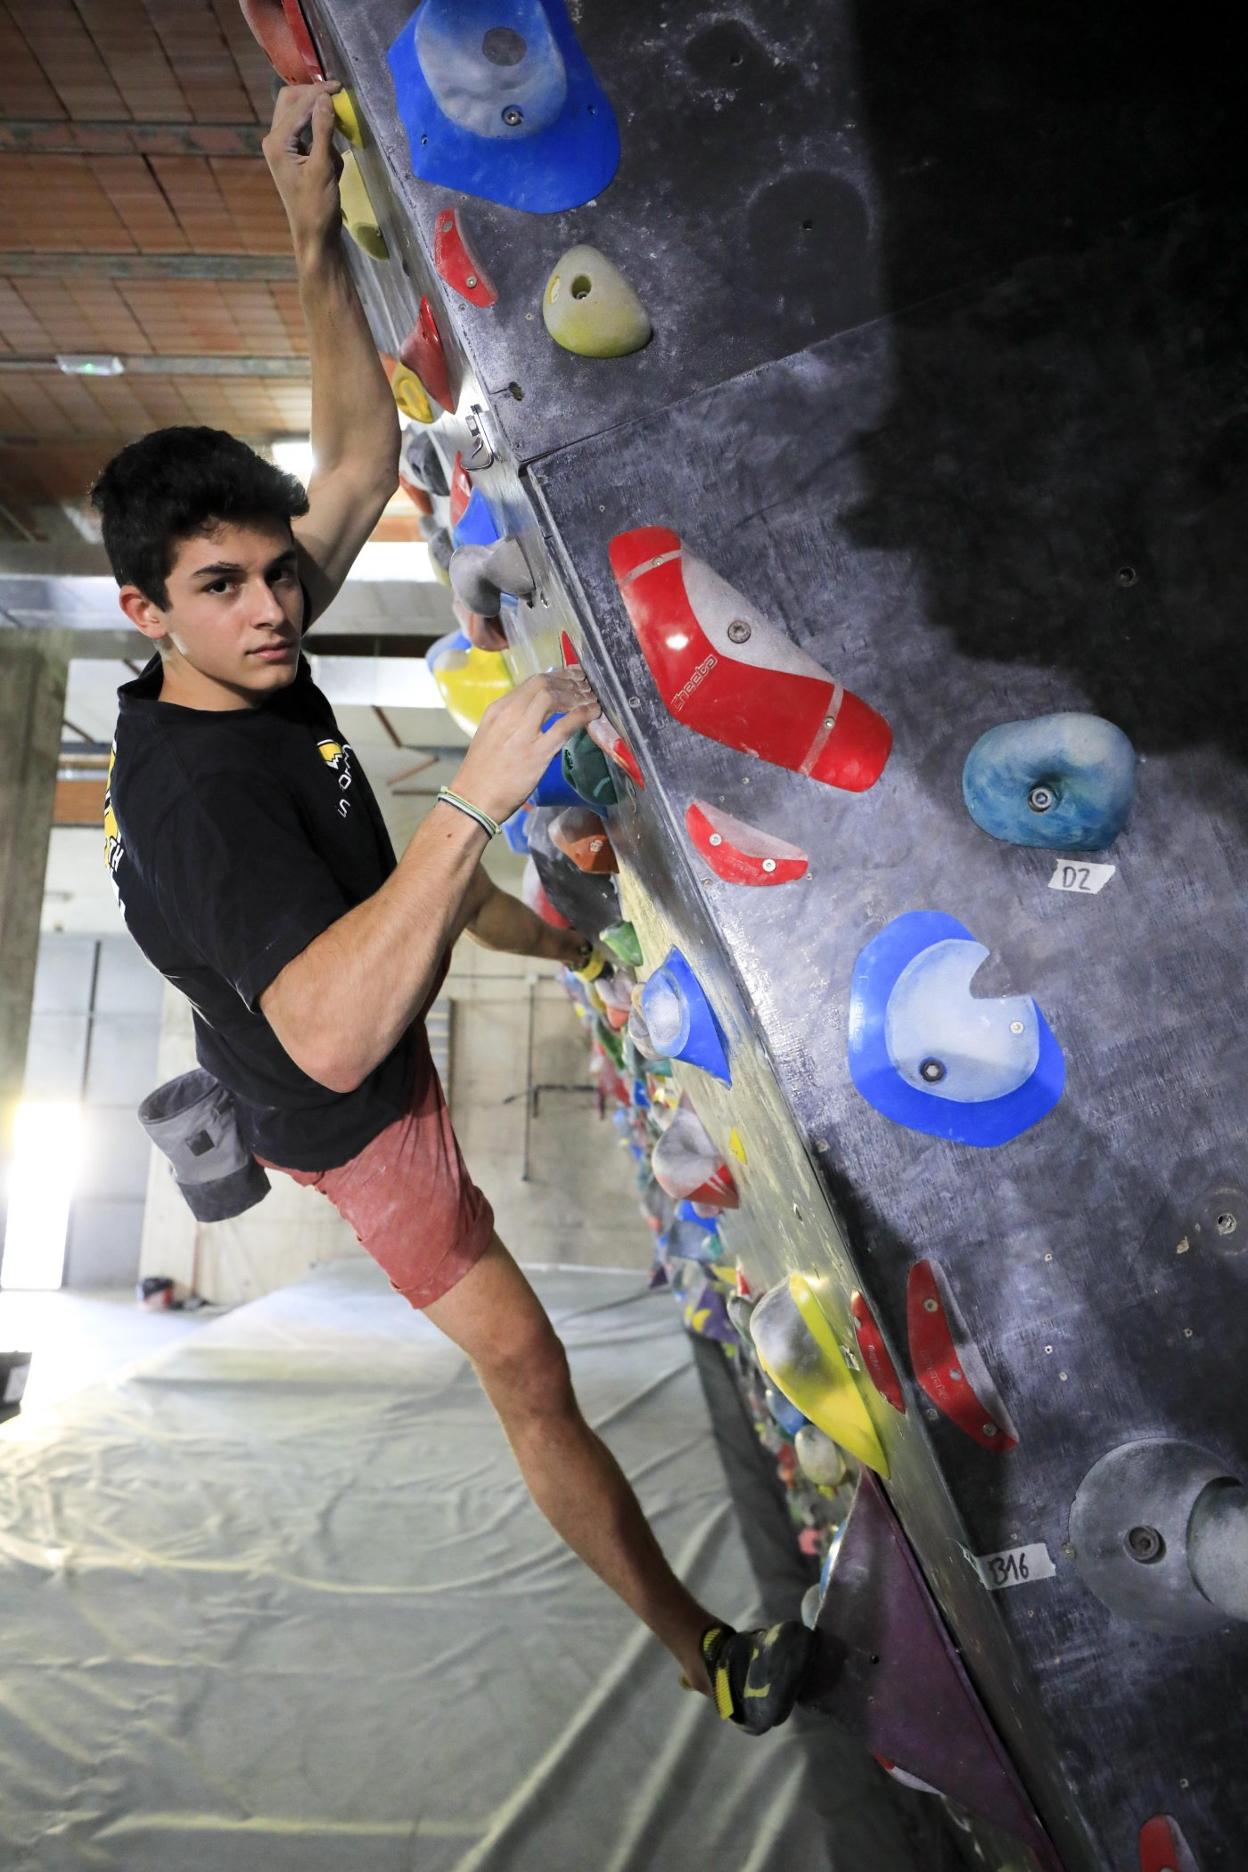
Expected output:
(256, 874)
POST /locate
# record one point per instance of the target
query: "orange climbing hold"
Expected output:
(581, 836)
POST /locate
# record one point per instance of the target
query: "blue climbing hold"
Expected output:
(787, 1415)
(932, 1056)
(685, 1212)
(681, 1021)
(498, 100)
(476, 526)
(516, 832)
(553, 789)
(1061, 781)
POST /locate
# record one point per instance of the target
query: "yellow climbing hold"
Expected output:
(348, 120)
(409, 392)
(358, 214)
(816, 1377)
(838, 1410)
(468, 681)
(590, 308)
(736, 1146)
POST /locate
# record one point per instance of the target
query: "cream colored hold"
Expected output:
(358, 213)
(590, 308)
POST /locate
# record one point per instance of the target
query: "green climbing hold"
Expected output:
(590, 308)
(588, 772)
(621, 940)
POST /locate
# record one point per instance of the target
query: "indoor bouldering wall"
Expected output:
(858, 392)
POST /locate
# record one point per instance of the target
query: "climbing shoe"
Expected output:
(757, 1676)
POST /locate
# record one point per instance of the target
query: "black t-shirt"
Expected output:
(235, 838)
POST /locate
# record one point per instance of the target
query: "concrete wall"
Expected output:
(94, 1032)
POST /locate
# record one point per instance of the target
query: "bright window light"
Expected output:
(47, 1150)
(294, 456)
(379, 561)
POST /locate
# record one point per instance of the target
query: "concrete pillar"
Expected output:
(33, 667)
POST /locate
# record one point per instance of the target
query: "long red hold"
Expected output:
(730, 674)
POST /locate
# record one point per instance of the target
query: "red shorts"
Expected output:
(409, 1197)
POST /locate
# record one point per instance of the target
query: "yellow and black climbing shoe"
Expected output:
(757, 1676)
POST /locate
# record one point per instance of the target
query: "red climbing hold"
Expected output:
(422, 352)
(482, 633)
(461, 489)
(457, 264)
(727, 672)
(948, 1365)
(615, 747)
(875, 1356)
(416, 494)
(281, 31)
(740, 853)
(567, 650)
(1163, 1847)
(533, 893)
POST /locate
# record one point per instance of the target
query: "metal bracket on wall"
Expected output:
(482, 452)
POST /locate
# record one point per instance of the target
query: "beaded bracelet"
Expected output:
(488, 826)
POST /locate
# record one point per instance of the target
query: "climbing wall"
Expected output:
(898, 523)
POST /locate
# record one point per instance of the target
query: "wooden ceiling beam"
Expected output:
(47, 137)
(19, 263)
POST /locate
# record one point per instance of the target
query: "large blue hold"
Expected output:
(681, 1021)
(553, 789)
(1062, 781)
(498, 100)
(476, 526)
(932, 1056)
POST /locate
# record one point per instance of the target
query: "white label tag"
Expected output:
(1068, 875)
(1017, 1566)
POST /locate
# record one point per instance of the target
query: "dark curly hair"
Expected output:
(175, 483)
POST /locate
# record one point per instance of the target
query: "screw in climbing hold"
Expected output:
(738, 631)
(933, 1070)
(990, 1429)
(716, 838)
(1016, 1027)
(1042, 799)
(769, 864)
(1145, 1545)
(512, 117)
(930, 1305)
(1227, 1223)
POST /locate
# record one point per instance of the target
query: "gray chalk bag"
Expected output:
(194, 1122)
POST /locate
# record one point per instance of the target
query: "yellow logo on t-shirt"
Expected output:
(337, 757)
(112, 831)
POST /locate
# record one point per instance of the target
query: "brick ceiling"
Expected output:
(137, 218)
